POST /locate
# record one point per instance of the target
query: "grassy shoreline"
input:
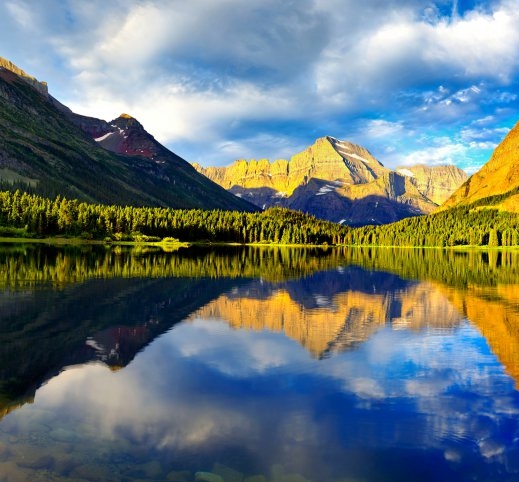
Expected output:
(77, 241)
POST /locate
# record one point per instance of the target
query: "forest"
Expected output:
(461, 226)
(23, 214)
(29, 215)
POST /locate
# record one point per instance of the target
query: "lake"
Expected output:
(258, 365)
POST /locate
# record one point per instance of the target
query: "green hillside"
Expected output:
(44, 152)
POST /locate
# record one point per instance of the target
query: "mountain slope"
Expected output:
(436, 183)
(498, 177)
(339, 181)
(46, 148)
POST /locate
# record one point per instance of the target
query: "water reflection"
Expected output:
(351, 373)
(333, 311)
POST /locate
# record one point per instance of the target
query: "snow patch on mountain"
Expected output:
(356, 156)
(325, 190)
(102, 138)
(405, 172)
(280, 194)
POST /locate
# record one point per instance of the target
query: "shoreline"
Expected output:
(64, 241)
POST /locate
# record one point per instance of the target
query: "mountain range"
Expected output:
(47, 149)
(341, 182)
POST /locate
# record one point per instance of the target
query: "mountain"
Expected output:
(341, 182)
(497, 182)
(47, 149)
(437, 183)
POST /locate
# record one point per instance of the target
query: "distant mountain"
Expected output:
(497, 182)
(339, 181)
(47, 149)
(436, 183)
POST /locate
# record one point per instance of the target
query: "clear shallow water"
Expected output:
(346, 374)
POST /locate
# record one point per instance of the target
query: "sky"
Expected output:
(413, 81)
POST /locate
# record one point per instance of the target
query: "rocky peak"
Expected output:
(123, 135)
(7, 66)
(339, 181)
(126, 121)
(327, 159)
(332, 159)
(356, 156)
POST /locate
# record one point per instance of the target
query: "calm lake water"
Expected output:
(258, 365)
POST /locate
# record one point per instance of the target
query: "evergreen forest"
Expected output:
(23, 214)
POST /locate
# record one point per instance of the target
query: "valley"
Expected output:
(71, 175)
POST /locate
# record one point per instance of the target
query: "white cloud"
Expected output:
(449, 153)
(480, 43)
(475, 132)
(21, 13)
(383, 128)
(215, 71)
(255, 147)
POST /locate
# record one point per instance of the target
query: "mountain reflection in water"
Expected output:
(259, 365)
(334, 311)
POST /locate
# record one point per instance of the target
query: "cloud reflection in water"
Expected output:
(418, 391)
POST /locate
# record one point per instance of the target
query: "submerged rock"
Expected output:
(208, 477)
(227, 473)
(255, 478)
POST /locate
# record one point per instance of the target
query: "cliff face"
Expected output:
(326, 159)
(339, 181)
(499, 176)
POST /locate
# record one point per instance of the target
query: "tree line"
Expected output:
(22, 214)
(462, 226)
(30, 265)
(41, 216)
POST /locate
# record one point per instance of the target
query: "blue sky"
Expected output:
(413, 81)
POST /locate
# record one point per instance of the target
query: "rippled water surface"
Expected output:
(258, 365)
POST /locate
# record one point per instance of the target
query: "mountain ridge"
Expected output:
(40, 86)
(499, 177)
(339, 181)
(47, 149)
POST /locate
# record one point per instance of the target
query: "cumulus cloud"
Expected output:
(383, 128)
(218, 71)
(436, 154)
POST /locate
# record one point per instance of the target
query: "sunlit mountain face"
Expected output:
(341, 182)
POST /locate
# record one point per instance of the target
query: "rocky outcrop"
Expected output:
(8, 66)
(327, 159)
(498, 177)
